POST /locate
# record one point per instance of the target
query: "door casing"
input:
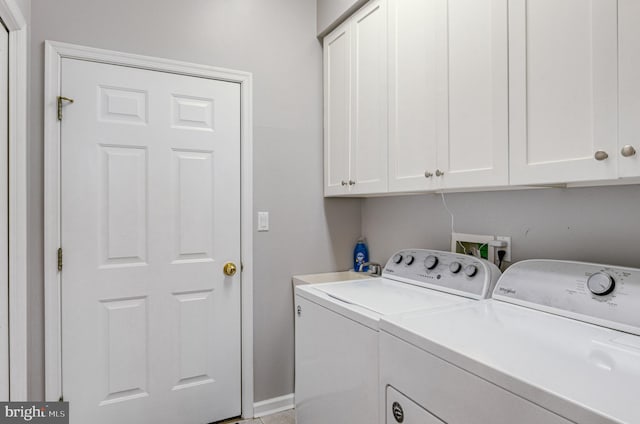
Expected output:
(54, 53)
(18, 353)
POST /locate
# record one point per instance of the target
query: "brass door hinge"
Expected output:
(60, 100)
(60, 259)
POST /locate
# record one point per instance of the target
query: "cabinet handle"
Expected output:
(628, 151)
(351, 182)
(439, 173)
(601, 155)
(428, 174)
(344, 183)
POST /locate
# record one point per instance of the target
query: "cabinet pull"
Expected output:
(343, 183)
(428, 174)
(439, 173)
(601, 155)
(628, 151)
(351, 182)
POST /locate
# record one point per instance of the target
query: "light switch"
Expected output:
(263, 221)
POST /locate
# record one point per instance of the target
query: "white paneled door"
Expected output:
(4, 211)
(150, 215)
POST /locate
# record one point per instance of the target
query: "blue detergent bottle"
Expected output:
(360, 255)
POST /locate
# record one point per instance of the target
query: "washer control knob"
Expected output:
(409, 260)
(397, 258)
(430, 262)
(455, 267)
(470, 270)
(601, 283)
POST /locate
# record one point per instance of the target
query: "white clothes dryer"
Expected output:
(337, 367)
(558, 343)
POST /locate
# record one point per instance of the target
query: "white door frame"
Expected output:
(54, 53)
(17, 25)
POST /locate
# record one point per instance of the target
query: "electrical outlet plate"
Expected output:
(507, 256)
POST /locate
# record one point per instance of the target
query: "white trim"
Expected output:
(274, 405)
(54, 52)
(16, 24)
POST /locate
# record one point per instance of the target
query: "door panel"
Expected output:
(629, 32)
(473, 148)
(337, 110)
(563, 90)
(150, 213)
(369, 100)
(4, 213)
(412, 94)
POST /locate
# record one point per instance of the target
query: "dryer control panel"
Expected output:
(599, 294)
(445, 271)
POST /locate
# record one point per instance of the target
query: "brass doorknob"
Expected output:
(230, 269)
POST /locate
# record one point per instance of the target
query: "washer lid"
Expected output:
(586, 373)
(385, 297)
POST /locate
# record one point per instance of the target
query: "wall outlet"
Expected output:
(507, 256)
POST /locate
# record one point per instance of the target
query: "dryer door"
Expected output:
(401, 409)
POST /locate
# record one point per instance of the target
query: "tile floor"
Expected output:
(286, 417)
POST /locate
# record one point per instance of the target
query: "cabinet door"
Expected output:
(412, 95)
(563, 90)
(629, 33)
(369, 100)
(473, 131)
(337, 103)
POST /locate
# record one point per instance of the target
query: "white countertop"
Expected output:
(329, 277)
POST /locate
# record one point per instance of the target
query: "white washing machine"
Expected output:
(558, 343)
(337, 365)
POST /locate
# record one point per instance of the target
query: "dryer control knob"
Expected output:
(455, 267)
(470, 270)
(601, 283)
(431, 262)
(397, 258)
(409, 260)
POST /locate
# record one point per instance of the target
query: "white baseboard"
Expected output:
(274, 405)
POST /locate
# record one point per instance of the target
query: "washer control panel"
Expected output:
(600, 294)
(444, 271)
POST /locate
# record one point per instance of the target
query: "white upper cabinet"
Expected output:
(337, 100)
(629, 38)
(369, 100)
(448, 94)
(355, 90)
(563, 77)
(412, 95)
(472, 97)
(427, 95)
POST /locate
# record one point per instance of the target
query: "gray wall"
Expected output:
(25, 8)
(275, 40)
(332, 12)
(599, 224)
